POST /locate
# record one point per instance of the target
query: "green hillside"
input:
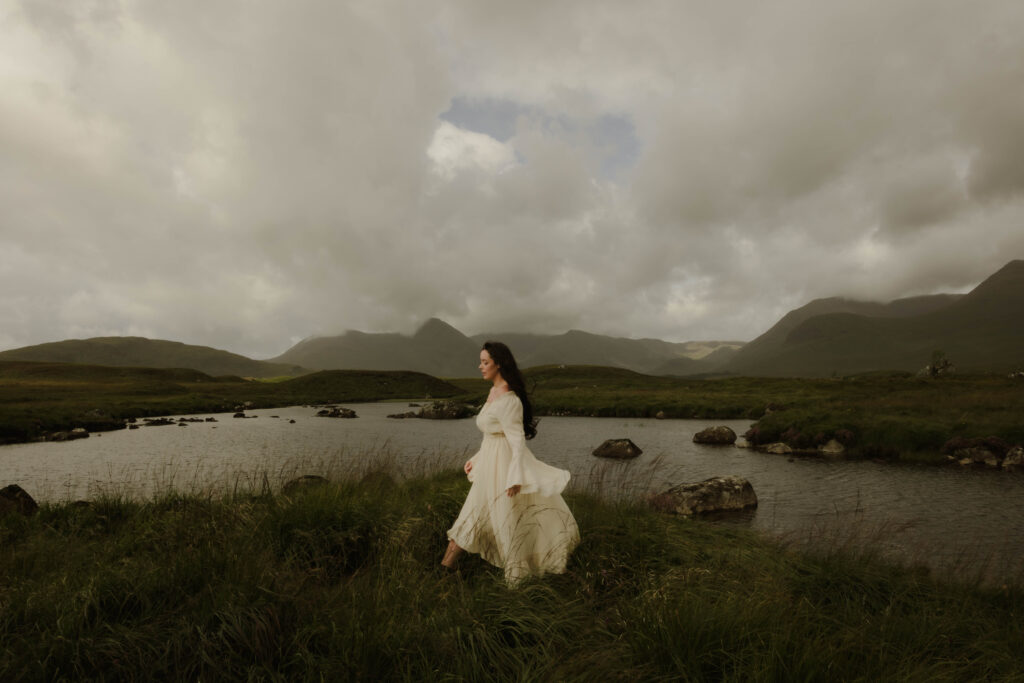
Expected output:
(980, 332)
(149, 353)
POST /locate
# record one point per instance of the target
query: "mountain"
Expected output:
(703, 364)
(436, 348)
(752, 355)
(979, 331)
(576, 347)
(149, 353)
(439, 349)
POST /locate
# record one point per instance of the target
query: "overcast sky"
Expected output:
(243, 174)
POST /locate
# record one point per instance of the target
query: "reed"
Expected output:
(341, 582)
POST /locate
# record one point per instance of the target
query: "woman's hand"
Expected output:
(513, 490)
(468, 467)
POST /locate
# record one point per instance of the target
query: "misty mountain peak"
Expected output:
(438, 330)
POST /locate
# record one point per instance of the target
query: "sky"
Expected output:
(244, 174)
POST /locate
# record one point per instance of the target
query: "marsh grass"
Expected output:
(39, 398)
(885, 414)
(341, 582)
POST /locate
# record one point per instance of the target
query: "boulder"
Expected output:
(13, 498)
(303, 483)
(240, 414)
(976, 455)
(833, 447)
(403, 416)
(157, 421)
(717, 494)
(619, 449)
(1014, 459)
(76, 433)
(660, 415)
(778, 448)
(337, 412)
(717, 436)
(445, 410)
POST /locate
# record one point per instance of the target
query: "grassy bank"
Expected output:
(893, 415)
(340, 582)
(39, 398)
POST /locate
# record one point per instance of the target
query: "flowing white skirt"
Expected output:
(527, 534)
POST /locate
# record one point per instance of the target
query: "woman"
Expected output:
(514, 516)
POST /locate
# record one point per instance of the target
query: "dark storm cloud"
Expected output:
(244, 174)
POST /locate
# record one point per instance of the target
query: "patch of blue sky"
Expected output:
(614, 137)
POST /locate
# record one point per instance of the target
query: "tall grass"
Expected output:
(341, 582)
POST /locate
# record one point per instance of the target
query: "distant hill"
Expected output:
(649, 356)
(150, 353)
(979, 331)
(437, 349)
(711, 363)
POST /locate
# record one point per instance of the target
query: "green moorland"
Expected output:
(341, 582)
(897, 416)
(40, 398)
(889, 415)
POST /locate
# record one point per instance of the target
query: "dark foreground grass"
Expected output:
(341, 582)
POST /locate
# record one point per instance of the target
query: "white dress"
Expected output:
(530, 533)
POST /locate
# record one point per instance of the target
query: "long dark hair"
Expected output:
(506, 363)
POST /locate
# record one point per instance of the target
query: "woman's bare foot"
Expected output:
(451, 555)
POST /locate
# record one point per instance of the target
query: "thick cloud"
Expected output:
(244, 174)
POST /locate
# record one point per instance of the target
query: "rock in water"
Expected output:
(716, 436)
(975, 455)
(620, 449)
(445, 410)
(833, 447)
(711, 495)
(778, 448)
(77, 433)
(1014, 459)
(337, 412)
(13, 498)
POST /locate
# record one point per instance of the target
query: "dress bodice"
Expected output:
(489, 419)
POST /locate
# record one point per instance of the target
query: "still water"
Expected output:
(944, 518)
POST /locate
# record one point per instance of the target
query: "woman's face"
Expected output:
(487, 366)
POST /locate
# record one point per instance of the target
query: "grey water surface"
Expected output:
(944, 518)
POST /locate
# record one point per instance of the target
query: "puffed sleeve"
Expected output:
(511, 418)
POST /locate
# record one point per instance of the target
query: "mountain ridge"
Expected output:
(979, 331)
(154, 353)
